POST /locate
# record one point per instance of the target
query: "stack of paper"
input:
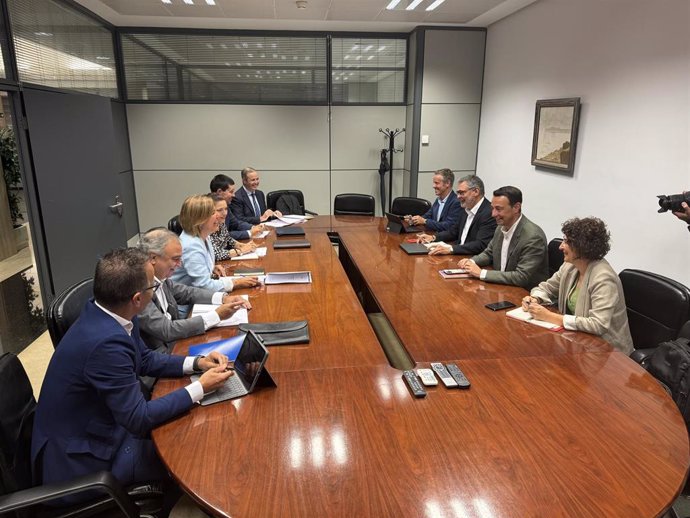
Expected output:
(241, 316)
(260, 252)
(288, 278)
(524, 316)
(284, 221)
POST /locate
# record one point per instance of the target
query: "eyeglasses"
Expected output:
(154, 287)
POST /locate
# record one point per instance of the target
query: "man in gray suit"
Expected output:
(517, 251)
(160, 322)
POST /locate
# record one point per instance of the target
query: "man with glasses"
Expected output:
(475, 228)
(92, 415)
(160, 322)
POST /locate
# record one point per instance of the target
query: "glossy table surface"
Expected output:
(563, 427)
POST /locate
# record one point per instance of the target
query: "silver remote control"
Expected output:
(445, 376)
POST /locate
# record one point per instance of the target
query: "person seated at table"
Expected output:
(517, 251)
(249, 203)
(225, 246)
(199, 219)
(475, 227)
(445, 211)
(91, 414)
(224, 186)
(160, 322)
(588, 291)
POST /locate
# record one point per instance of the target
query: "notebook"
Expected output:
(397, 225)
(289, 231)
(292, 243)
(249, 368)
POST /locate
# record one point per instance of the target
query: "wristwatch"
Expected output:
(195, 365)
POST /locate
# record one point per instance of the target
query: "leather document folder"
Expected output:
(292, 243)
(280, 333)
(289, 231)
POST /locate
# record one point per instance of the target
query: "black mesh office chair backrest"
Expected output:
(405, 205)
(354, 204)
(66, 308)
(279, 200)
(658, 307)
(174, 225)
(555, 255)
(17, 407)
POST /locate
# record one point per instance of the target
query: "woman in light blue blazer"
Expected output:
(199, 220)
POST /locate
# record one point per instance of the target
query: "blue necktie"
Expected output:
(257, 213)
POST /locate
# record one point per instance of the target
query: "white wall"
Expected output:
(628, 60)
(178, 148)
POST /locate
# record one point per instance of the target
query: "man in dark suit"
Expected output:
(91, 413)
(224, 186)
(445, 211)
(250, 203)
(517, 251)
(475, 228)
(160, 322)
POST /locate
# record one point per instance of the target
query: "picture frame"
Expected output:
(554, 142)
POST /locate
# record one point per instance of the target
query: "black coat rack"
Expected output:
(391, 134)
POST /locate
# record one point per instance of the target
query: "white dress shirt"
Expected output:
(507, 236)
(471, 213)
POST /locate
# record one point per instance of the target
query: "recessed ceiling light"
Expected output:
(211, 2)
(435, 5)
(392, 5)
(413, 4)
(370, 58)
(382, 47)
(368, 48)
(167, 1)
(189, 2)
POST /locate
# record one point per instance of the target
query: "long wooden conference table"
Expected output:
(554, 424)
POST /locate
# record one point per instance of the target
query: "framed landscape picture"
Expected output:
(555, 133)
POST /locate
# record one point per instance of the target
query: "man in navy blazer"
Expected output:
(224, 186)
(445, 211)
(250, 203)
(91, 413)
(475, 228)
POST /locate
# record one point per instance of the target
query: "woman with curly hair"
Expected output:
(588, 291)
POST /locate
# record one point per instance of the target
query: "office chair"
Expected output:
(658, 308)
(66, 308)
(174, 225)
(555, 255)
(18, 495)
(404, 206)
(354, 204)
(273, 198)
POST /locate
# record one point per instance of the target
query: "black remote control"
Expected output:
(458, 375)
(412, 382)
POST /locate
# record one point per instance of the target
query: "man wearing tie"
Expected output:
(475, 228)
(445, 211)
(160, 322)
(250, 203)
(517, 251)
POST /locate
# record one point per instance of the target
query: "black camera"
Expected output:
(673, 201)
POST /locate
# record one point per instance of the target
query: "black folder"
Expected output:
(289, 231)
(292, 243)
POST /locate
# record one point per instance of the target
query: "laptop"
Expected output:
(414, 248)
(289, 231)
(397, 224)
(249, 370)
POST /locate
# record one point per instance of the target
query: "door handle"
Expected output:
(117, 207)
